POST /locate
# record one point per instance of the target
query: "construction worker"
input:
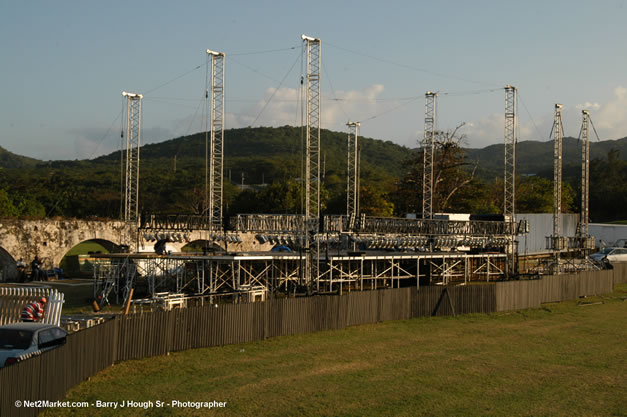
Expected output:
(35, 268)
(21, 267)
(33, 312)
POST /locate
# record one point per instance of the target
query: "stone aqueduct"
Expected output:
(51, 239)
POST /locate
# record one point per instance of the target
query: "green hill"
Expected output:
(536, 158)
(267, 153)
(172, 175)
(11, 160)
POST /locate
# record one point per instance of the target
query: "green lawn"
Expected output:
(563, 360)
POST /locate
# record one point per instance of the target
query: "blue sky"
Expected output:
(65, 64)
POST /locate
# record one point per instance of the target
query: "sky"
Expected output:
(65, 64)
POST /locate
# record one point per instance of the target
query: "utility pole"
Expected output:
(509, 199)
(428, 145)
(133, 144)
(214, 172)
(352, 173)
(312, 158)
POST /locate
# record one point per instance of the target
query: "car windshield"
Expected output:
(15, 339)
(606, 251)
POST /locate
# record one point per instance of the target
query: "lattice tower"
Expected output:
(215, 185)
(557, 177)
(133, 143)
(509, 205)
(428, 145)
(312, 144)
(585, 173)
(312, 158)
(352, 173)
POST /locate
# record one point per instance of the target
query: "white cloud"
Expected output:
(611, 117)
(588, 106)
(490, 130)
(282, 107)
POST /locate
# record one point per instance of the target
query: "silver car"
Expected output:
(19, 341)
(610, 255)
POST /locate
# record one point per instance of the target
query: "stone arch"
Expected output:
(198, 245)
(69, 260)
(7, 266)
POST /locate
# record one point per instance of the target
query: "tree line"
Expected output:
(265, 176)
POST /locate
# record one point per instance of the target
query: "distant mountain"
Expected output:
(173, 173)
(533, 157)
(11, 160)
(262, 153)
(259, 152)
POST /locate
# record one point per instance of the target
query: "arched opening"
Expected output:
(78, 262)
(201, 246)
(8, 269)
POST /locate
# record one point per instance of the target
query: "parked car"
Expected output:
(19, 341)
(610, 255)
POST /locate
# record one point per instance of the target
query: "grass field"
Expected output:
(563, 360)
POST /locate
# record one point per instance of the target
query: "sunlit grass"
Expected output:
(565, 359)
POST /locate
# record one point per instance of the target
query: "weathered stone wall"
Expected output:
(51, 239)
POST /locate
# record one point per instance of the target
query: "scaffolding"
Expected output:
(258, 275)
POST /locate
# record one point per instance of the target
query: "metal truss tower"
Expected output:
(133, 143)
(312, 144)
(215, 152)
(509, 198)
(428, 145)
(312, 160)
(557, 241)
(352, 173)
(585, 174)
(509, 205)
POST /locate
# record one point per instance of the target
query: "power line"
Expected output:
(90, 157)
(267, 51)
(531, 117)
(275, 91)
(256, 71)
(174, 79)
(410, 67)
(469, 93)
(333, 91)
(390, 110)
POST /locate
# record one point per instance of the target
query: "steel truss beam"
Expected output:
(174, 222)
